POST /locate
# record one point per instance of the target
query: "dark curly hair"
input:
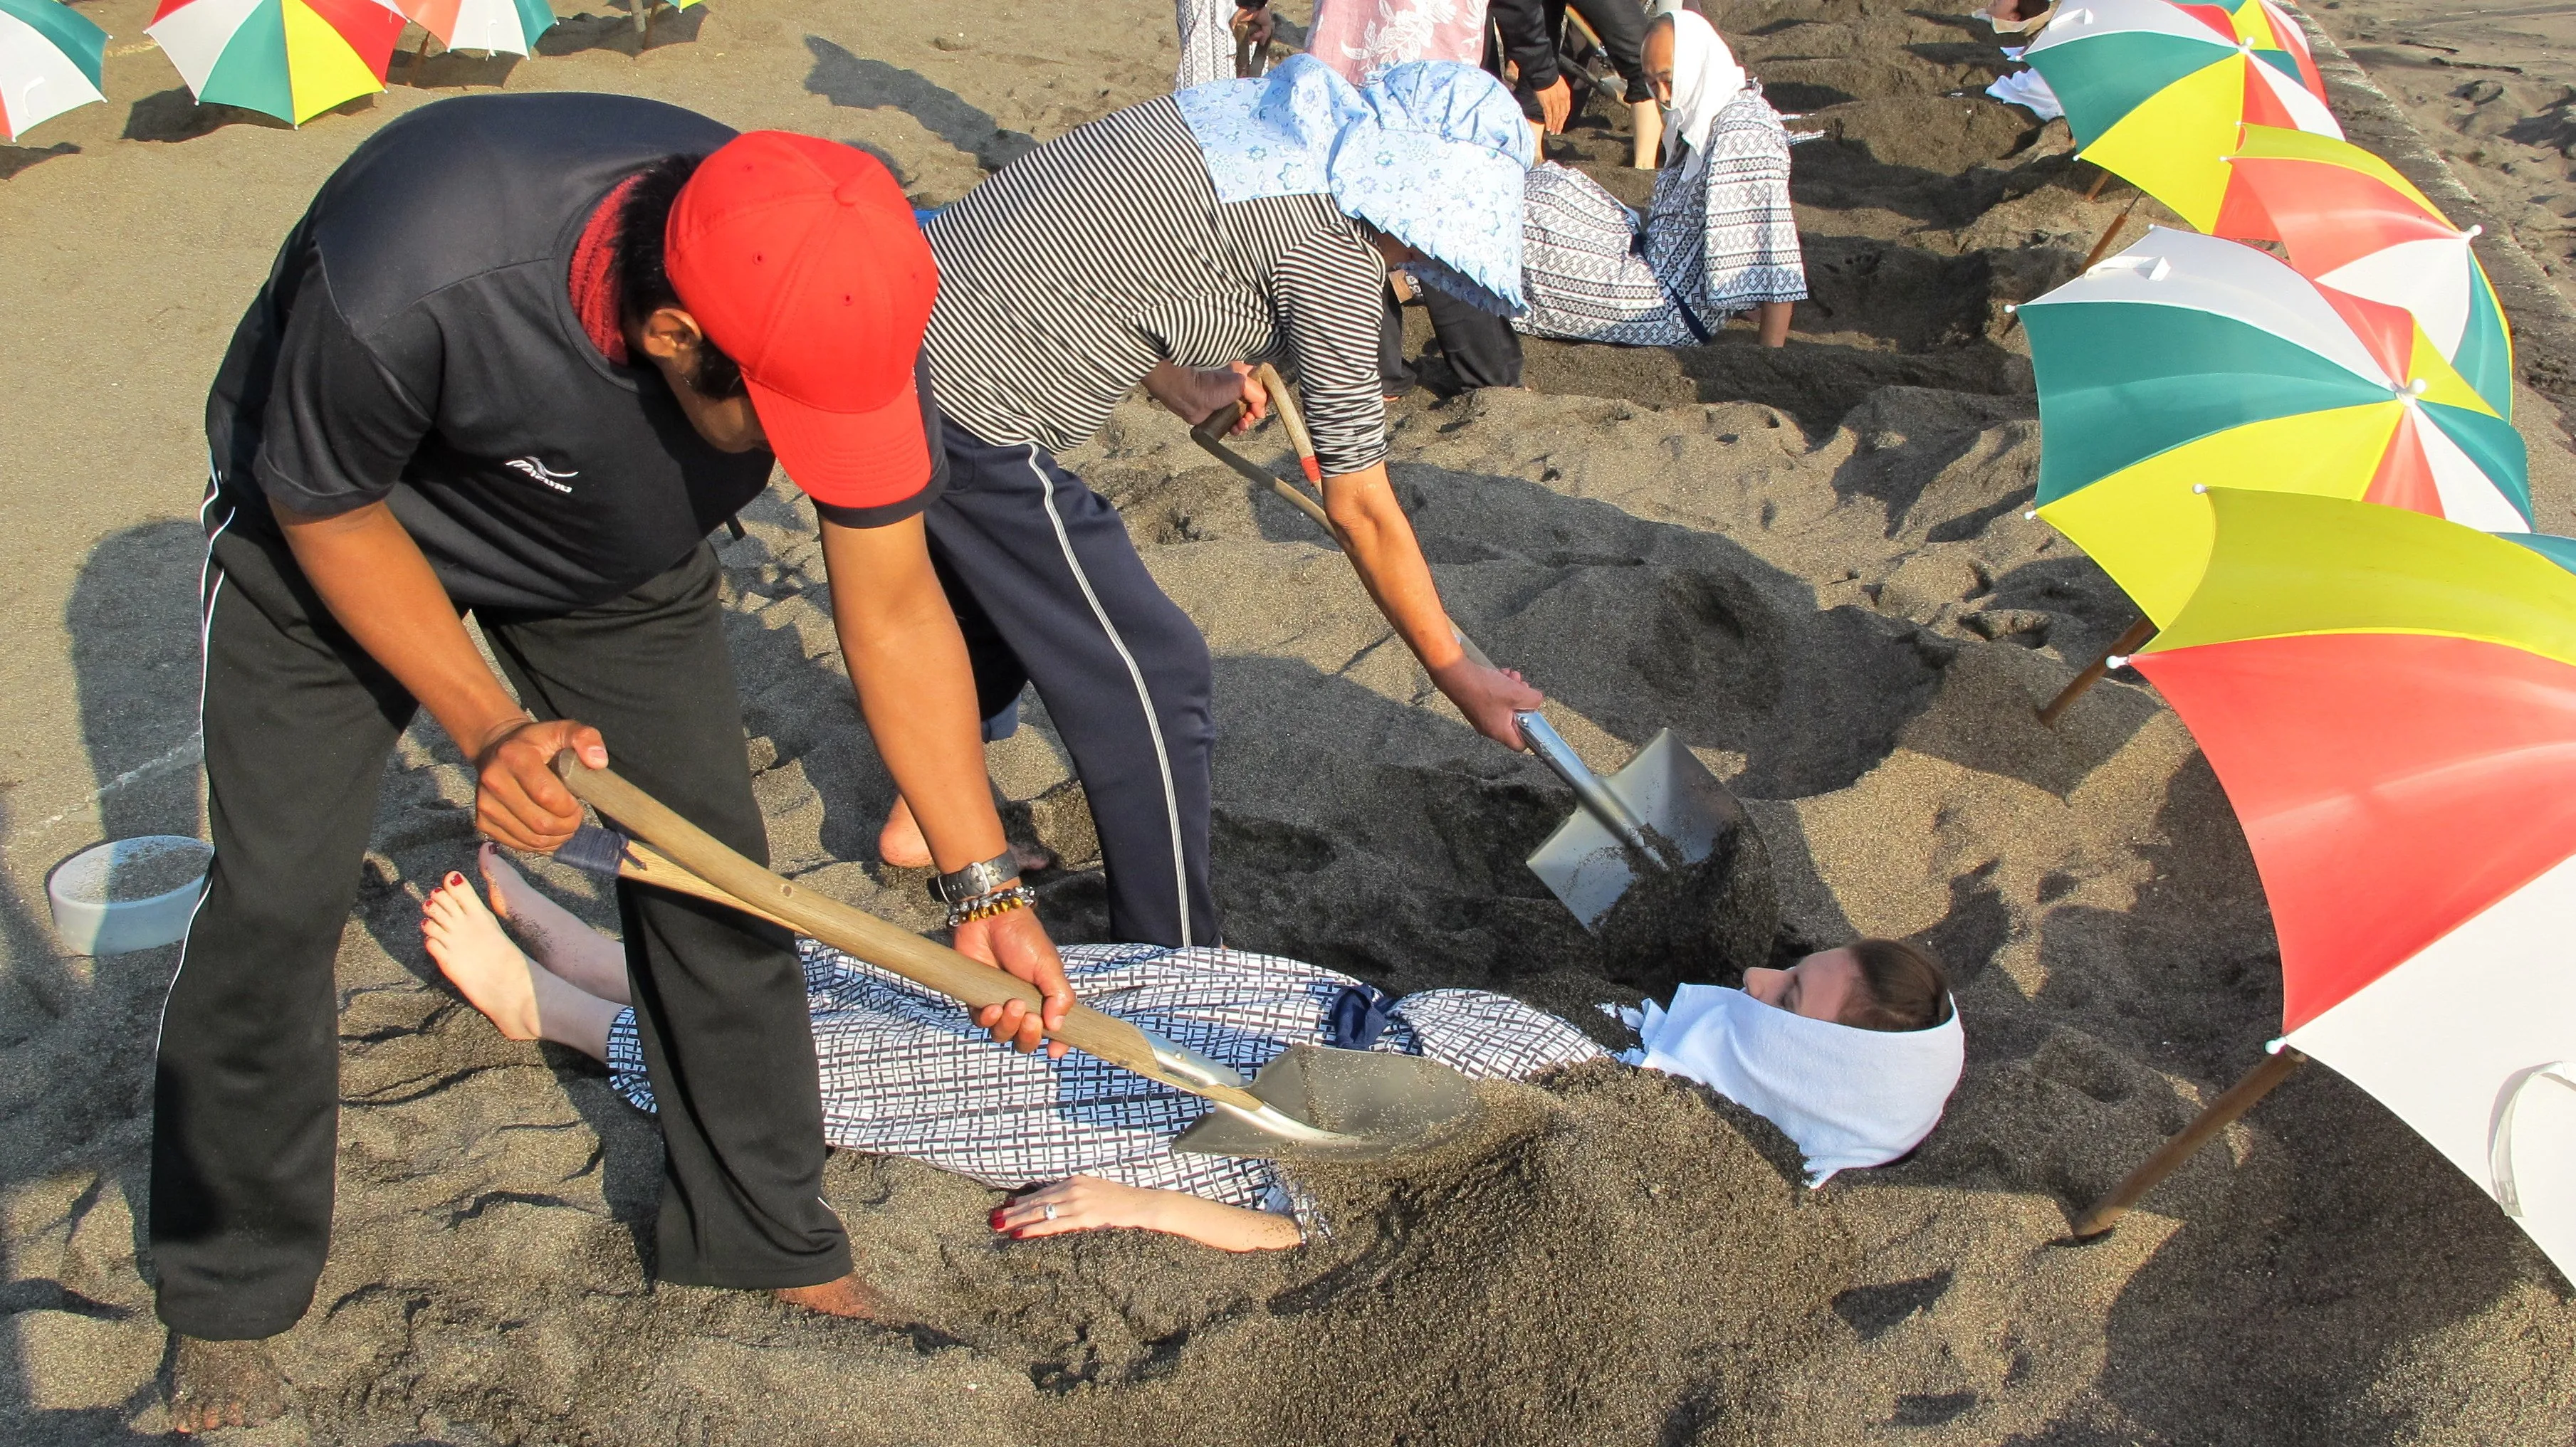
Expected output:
(644, 284)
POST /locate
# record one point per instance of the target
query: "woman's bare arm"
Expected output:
(1087, 1203)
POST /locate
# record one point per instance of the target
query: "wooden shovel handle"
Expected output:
(684, 852)
(1292, 415)
(1211, 436)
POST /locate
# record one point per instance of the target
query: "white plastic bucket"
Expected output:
(128, 894)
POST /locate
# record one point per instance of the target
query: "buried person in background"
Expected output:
(493, 371)
(1164, 244)
(905, 1074)
(1718, 238)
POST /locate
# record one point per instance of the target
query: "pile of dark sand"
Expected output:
(1810, 563)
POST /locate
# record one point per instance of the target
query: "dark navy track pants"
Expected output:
(1049, 590)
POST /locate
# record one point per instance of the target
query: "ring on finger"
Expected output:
(1047, 1210)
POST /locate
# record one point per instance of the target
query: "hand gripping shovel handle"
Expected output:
(715, 872)
(1211, 436)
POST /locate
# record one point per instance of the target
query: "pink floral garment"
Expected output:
(1359, 38)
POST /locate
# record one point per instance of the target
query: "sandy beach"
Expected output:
(1810, 563)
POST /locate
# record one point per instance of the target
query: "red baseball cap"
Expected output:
(801, 259)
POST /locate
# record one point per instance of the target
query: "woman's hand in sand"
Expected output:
(1195, 394)
(1488, 697)
(1087, 1203)
(1016, 944)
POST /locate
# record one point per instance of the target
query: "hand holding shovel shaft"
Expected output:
(728, 878)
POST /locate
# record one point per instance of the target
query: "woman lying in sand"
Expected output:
(906, 1072)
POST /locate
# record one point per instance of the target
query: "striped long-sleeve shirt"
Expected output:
(1066, 276)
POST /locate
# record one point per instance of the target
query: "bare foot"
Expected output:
(901, 844)
(222, 1384)
(843, 1296)
(552, 935)
(478, 959)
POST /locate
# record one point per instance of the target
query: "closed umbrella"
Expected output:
(49, 62)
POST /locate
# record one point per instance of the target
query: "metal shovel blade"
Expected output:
(1382, 1104)
(1685, 811)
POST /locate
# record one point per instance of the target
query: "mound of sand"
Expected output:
(1811, 564)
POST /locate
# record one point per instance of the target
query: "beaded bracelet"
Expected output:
(985, 906)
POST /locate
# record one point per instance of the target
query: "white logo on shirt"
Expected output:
(539, 472)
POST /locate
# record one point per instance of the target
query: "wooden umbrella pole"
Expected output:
(2101, 179)
(2238, 1099)
(2110, 234)
(2127, 643)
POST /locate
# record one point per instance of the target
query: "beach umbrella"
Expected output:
(49, 62)
(2347, 219)
(292, 59)
(2389, 701)
(2157, 93)
(2272, 34)
(2187, 361)
(490, 26)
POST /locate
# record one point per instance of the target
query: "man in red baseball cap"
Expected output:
(522, 355)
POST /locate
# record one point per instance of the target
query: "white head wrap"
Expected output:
(1849, 1097)
(1705, 79)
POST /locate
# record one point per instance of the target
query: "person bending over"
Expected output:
(1165, 244)
(1084, 1145)
(519, 358)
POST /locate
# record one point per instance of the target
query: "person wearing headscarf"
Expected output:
(1718, 238)
(1171, 244)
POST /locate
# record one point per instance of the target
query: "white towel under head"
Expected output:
(1849, 1097)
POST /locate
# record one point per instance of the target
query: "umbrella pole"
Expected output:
(2238, 1099)
(2110, 234)
(2127, 643)
(2100, 180)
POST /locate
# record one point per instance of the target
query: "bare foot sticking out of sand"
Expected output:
(216, 1384)
(588, 960)
(842, 1296)
(901, 845)
(479, 960)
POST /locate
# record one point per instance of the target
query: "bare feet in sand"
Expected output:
(478, 959)
(844, 1296)
(901, 844)
(553, 937)
(217, 1384)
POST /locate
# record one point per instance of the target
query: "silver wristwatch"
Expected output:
(959, 885)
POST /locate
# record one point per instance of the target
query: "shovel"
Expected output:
(1313, 1103)
(1664, 819)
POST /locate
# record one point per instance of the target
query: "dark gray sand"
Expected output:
(1809, 563)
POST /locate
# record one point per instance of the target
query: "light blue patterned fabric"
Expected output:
(1432, 153)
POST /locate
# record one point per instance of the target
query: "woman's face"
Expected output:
(1658, 55)
(1818, 987)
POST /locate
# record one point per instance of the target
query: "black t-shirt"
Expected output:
(417, 342)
